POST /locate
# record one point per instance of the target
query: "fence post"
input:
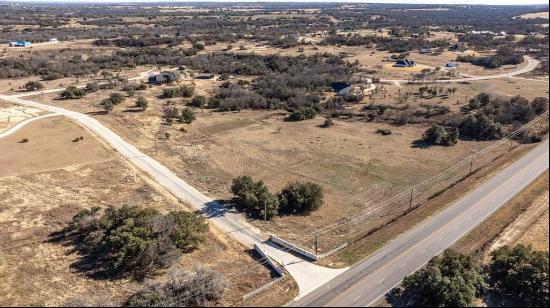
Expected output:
(471, 165)
(411, 200)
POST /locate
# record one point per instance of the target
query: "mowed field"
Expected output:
(47, 180)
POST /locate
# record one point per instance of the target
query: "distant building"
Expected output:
(20, 44)
(451, 65)
(339, 86)
(163, 77)
(482, 32)
(426, 51)
(404, 63)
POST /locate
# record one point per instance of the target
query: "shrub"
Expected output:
(72, 92)
(302, 114)
(214, 102)
(107, 105)
(296, 115)
(52, 76)
(198, 101)
(438, 135)
(187, 116)
(199, 289)
(33, 85)
(170, 112)
(539, 105)
(328, 122)
(517, 109)
(92, 87)
(481, 100)
(480, 127)
(133, 240)
(384, 131)
(130, 89)
(181, 91)
(300, 198)
(254, 198)
(114, 99)
(142, 103)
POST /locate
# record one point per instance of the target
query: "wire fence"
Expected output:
(381, 213)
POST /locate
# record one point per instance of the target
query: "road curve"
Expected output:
(370, 279)
(307, 275)
(531, 65)
(20, 125)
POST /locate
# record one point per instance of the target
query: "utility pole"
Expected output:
(540, 126)
(411, 200)
(471, 165)
(316, 244)
(265, 210)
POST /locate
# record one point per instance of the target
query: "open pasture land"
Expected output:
(355, 166)
(47, 180)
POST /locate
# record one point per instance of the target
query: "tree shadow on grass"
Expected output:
(87, 263)
(420, 144)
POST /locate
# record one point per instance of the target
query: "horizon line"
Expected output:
(404, 2)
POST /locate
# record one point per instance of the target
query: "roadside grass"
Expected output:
(372, 242)
(478, 240)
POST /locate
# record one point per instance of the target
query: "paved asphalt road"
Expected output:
(369, 280)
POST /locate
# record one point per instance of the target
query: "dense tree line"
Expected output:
(390, 44)
(515, 275)
(142, 41)
(212, 25)
(281, 81)
(517, 109)
(438, 135)
(504, 56)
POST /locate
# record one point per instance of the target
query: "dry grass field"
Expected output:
(355, 166)
(44, 182)
(537, 234)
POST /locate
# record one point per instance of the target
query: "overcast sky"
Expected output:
(493, 2)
